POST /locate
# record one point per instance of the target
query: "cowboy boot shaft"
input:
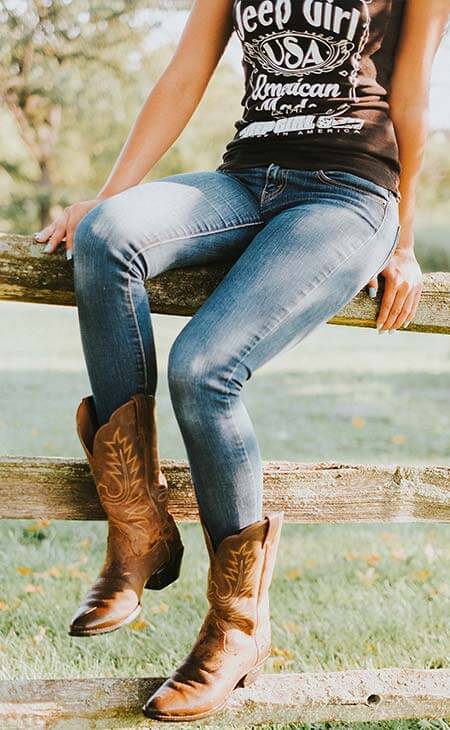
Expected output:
(144, 547)
(125, 467)
(234, 578)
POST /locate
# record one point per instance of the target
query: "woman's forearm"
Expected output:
(411, 128)
(160, 121)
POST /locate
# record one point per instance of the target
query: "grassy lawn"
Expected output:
(343, 596)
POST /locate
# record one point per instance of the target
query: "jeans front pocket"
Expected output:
(355, 183)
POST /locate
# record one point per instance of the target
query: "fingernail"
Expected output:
(37, 235)
(381, 331)
(407, 323)
(391, 331)
(372, 292)
(47, 247)
(69, 254)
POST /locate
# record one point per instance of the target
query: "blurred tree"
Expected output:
(49, 50)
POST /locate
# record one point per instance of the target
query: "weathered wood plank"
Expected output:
(29, 275)
(350, 696)
(57, 488)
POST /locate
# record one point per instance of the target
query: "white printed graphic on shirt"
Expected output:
(334, 39)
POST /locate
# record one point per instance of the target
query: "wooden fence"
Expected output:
(57, 488)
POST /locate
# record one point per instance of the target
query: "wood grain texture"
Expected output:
(29, 275)
(348, 696)
(57, 488)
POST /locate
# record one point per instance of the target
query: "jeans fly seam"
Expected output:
(266, 182)
(276, 192)
(252, 346)
(158, 243)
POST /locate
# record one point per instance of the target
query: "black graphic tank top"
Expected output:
(317, 75)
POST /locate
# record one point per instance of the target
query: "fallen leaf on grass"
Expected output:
(420, 575)
(351, 555)
(398, 554)
(399, 439)
(54, 571)
(140, 624)
(371, 647)
(368, 577)
(278, 663)
(40, 635)
(3, 606)
(358, 422)
(387, 536)
(75, 572)
(161, 608)
(24, 570)
(292, 627)
(293, 574)
(37, 525)
(276, 651)
(372, 558)
(34, 588)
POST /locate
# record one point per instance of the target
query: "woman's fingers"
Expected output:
(372, 287)
(389, 295)
(57, 235)
(402, 292)
(70, 231)
(397, 306)
(44, 235)
(409, 308)
(414, 306)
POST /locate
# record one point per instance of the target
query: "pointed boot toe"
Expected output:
(104, 616)
(172, 702)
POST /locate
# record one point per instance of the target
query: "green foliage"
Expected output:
(50, 54)
(73, 75)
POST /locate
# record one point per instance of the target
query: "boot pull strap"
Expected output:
(142, 420)
(274, 520)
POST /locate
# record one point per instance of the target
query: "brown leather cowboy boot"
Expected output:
(144, 547)
(234, 639)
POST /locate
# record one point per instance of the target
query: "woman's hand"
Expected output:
(63, 227)
(402, 290)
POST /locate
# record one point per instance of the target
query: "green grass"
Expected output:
(340, 599)
(343, 596)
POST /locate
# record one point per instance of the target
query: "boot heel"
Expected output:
(251, 676)
(167, 573)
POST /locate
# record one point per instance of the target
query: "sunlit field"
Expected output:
(343, 596)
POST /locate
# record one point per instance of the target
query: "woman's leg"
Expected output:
(178, 220)
(299, 270)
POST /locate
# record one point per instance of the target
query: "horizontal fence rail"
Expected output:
(60, 488)
(349, 696)
(29, 275)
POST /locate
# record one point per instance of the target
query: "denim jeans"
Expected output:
(302, 243)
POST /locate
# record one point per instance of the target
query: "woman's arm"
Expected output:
(177, 93)
(163, 116)
(422, 29)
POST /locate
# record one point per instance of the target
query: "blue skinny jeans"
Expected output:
(302, 243)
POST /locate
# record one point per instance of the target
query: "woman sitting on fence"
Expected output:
(314, 198)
